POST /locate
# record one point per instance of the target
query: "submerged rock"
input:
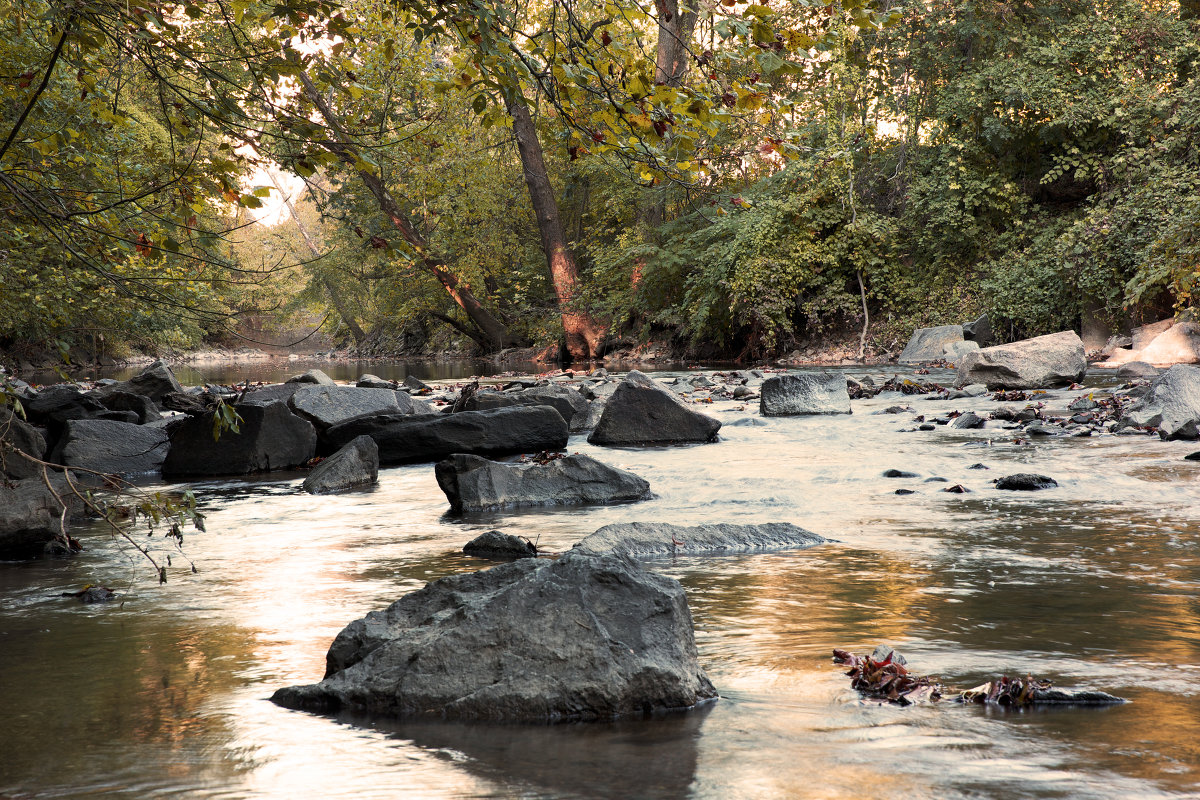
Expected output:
(656, 539)
(804, 393)
(929, 344)
(354, 466)
(579, 638)
(409, 439)
(472, 483)
(1171, 404)
(500, 546)
(1043, 362)
(1025, 481)
(640, 412)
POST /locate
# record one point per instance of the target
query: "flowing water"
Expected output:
(1094, 584)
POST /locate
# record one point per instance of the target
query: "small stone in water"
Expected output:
(905, 491)
(899, 473)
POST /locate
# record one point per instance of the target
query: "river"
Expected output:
(1095, 584)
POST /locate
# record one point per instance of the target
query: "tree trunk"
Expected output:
(671, 62)
(335, 295)
(675, 28)
(493, 330)
(584, 333)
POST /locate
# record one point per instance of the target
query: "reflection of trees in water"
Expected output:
(117, 696)
(645, 758)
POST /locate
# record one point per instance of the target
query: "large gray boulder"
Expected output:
(17, 434)
(572, 405)
(979, 331)
(354, 466)
(646, 540)
(1171, 404)
(578, 638)
(640, 412)
(928, 344)
(804, 393)
(1044, 362)
(270, 437)
(115, 447)
(956, 350)
(472, 483)
(31, 516)
(155, 381)
(409, 439)
(326, 406)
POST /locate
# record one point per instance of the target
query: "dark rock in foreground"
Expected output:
(1025, 481)
(271, 437)
(928, 344)
(354, 466)
(804, 393)
(472, 483)
(31, 516)
(406, 439)
(579, 638)
(500, 546)
(1044, 362)
(19, 434)
(657, 539)
(106, 446)
(1171, 404)
(640, 412)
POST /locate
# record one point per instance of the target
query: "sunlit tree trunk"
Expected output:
(584, 333)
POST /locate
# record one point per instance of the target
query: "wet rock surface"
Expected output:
(579, 638)
(473, 483)
(1171, 405)
(1025, 482)
(500, 546)
(31, 516)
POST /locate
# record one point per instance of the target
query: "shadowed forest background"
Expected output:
(471, 176)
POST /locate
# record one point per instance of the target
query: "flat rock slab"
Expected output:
(804, 393)
(1044, 362)
(107, 446)
(410, 439)
(928, 344)
(354, 466)
(271, 437)
(641, 412)
(646, 540)
(1171, 404)
(578, 638)
(472, 483)
(572, 405)
(326, 406)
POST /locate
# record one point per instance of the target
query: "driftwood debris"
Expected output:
(883, 675)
